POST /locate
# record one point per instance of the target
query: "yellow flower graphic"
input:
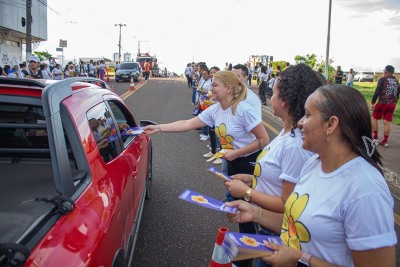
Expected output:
(200, 199)
(225, 140)
(293, 231)
(249, 241)
(257, 167)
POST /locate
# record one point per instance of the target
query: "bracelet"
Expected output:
(159, 129)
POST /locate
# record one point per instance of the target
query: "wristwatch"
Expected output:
(247, 195)
(304, 260)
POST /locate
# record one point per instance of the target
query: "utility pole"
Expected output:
(119, 43)
(28, 30)
(328, 41)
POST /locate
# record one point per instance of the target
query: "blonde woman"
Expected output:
(237, 126)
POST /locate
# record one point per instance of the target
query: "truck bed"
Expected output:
(21, 182)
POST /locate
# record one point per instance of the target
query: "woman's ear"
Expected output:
(333, 124)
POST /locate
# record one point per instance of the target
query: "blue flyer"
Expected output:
(205, 201)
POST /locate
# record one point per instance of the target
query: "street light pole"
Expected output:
(119, 43)
(328, 41)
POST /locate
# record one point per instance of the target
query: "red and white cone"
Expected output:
(219, 257)
(132, 85)
(141, 78)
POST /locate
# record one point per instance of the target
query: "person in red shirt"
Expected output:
(387, 90)
(146, 70)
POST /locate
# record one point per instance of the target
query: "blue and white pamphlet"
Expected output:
(205, 201)
(219, 174)
(241, 246)
(133, 131)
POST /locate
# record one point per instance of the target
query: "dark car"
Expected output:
(75, 171)
(128, 70)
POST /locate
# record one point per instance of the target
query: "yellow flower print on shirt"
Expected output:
(257, 167)
(225, 140)
(294, 231)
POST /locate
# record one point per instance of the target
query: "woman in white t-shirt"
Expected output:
(239, 130)
(341, 211)
(278, 167)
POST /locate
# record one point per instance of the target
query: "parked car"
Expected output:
(128, 70)
(364, 76)
(73, 180)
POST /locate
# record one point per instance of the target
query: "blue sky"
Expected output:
(365, 34)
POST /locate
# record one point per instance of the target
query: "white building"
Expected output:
(13, 28)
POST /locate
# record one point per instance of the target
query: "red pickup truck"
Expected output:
(75, 171)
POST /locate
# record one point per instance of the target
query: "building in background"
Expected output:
(13, 24)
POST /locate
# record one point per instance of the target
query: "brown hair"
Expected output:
(239, 90)
(350, 106)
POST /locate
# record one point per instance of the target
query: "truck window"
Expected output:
(124, 119)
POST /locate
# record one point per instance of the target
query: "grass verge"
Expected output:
(368, 89)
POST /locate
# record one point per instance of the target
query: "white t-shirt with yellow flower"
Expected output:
(233, 131)
(330, 214)
(282, 159)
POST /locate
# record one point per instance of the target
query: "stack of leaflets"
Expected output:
(225, 177)
(242, 246)
(206, 201)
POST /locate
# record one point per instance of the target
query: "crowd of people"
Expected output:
(318, 184)
(51, 70)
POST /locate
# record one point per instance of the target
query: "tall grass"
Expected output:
(368, 89)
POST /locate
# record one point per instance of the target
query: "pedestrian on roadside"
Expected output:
(195, 77)
(387, 93)
(338, 75)
(287, 65)
(2, 73)
(278, 71)
(340, 212)
(57, 72)
(238, 128)
(34, 68)
(146, 70)
(214, 142)
(204, 101)
(22, 70)
(263, 85)
(43, 69)
(350, 78)
(10, 72)
(92, 69)
(188, 74)
(52, 63)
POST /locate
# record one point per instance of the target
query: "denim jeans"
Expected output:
(205, 130)
(194, 95)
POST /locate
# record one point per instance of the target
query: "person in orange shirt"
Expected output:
(146, 70)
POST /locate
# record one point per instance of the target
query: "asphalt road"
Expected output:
(172, 231)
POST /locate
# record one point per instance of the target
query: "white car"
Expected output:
(363, 76)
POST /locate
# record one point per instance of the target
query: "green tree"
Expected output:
(43, 55)
(282, 64)
(309, 60)
(317, 62)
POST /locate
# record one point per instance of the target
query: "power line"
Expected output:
(45, 4)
